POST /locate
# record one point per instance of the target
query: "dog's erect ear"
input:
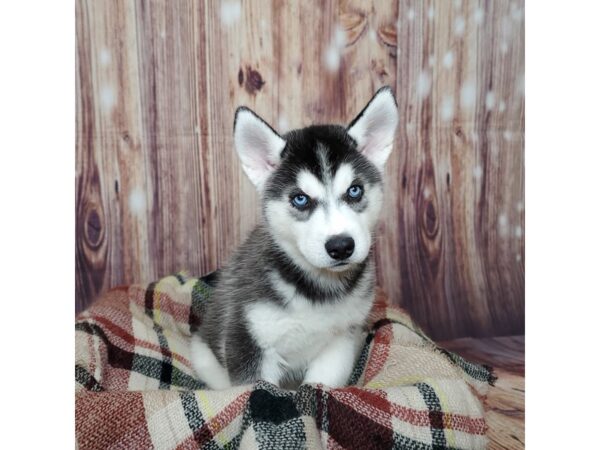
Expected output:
(257, 144)
(374, 128)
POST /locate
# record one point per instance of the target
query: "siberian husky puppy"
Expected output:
(292, 302)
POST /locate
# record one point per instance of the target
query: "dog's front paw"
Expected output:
(329, 376)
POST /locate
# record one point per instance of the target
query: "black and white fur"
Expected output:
(286, 307)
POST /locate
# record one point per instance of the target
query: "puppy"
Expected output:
(291, 304)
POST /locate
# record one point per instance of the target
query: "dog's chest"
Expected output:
(299, 330)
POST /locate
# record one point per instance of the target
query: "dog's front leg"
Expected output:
(271, 367)
(334, 364)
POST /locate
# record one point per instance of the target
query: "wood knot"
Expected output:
(354, 24)
(388, 34)
(429, 230)
(93, 228)
(254, 81)
(379, 69)
(430, 219)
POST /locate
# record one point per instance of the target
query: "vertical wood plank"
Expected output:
(159, 188)
(460, 203)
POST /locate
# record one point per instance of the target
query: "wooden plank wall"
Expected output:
(159, 188)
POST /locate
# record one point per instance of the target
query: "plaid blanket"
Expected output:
(135, 387)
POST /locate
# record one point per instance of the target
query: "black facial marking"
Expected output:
(359, 206)
(304, 215)
(305, 284)
(302, 153)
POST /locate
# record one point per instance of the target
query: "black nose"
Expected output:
(340, 246)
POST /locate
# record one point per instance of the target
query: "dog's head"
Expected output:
(321, 185)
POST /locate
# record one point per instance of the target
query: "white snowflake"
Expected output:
(332, 58)
(423, 84)
(478, 16)
(447, 108)
(339, 37)
(231, 11)
(104, 57)
(459, 26)
(507, 135)
(448, 59)
(477, 172)
(108, 98)
(137, 201)
(515, 12)
(333, 52)
(490, 100)
(468, 95)
(518, 231)
(501, 106)
(430, 13)
(503, 224)
(410, 14)
(283, 124)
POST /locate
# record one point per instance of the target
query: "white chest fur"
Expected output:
(299, 330)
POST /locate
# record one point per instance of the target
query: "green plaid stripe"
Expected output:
(84, 378)
(361, 362)
(166, 367)
(436, 416)
(476, 371)
(195, 420)
(200, 293)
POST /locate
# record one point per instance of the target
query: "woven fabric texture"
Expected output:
(135, 387)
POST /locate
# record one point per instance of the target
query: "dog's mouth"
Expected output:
(339, 266)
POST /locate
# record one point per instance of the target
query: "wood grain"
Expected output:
(159, 188)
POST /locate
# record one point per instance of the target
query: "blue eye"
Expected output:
(300, 201)
(355, 192)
